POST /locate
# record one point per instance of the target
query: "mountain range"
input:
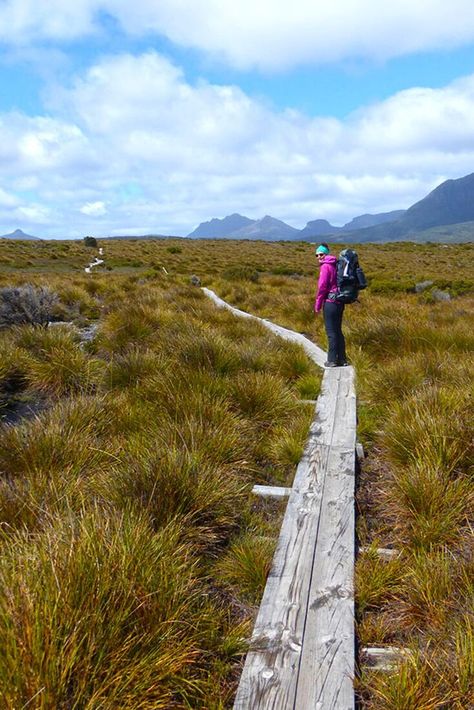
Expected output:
(445, 214)
(450, 205)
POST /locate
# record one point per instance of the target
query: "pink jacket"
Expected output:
(327, 282)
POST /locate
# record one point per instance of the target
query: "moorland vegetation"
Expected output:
(132, 553)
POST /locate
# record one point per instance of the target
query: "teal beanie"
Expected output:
(322, 250)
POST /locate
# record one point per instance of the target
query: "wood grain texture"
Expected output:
(302, 649)
(271, 491)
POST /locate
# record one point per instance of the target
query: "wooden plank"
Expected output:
(270, 676)
(271, 491)
(385, 553)
(386, 658)
(327, 663)
(360, 451)
(302, 648)
(301, 654)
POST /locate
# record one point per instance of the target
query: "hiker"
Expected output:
(332, 309)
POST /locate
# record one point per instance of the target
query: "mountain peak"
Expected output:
(216, 227)
(18, 234)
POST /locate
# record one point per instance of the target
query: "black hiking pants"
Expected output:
(332, 312)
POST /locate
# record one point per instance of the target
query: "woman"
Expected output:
(332, 309)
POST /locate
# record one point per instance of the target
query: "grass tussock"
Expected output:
(92, 612)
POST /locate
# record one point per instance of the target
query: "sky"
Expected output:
(151, 116)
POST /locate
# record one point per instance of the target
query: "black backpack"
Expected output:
(350, 277)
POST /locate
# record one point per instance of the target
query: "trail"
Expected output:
(301, 654)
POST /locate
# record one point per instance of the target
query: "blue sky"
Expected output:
(130, 118)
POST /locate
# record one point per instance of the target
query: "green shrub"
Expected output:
(90, 242)
(241, 273)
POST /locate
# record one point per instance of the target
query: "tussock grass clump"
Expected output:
(201, 347)
(433, 589)
(287, 441)
(94, 610)
(428, 507)
(439, 432)
(135, 324)
(246, 564)
(262, 397)
(172, 484)
(132, 367)
(57, 365)
(12, 371)
(377, 581)
(415, 686)
(59, 442)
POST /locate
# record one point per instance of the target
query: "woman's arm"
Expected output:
(324, 285)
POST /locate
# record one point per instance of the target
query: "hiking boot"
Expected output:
(330, 364)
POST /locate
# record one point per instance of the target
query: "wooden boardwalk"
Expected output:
(301, 654)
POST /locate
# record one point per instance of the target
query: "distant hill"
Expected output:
(141, 236)
(451, 203)
(217, 228)
(267, 228)
(317, 228)
(322, 228)
(236, 226)
(371, 220)
(18, 234)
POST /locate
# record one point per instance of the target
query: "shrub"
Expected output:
(90, 242)
(26, 304)
(241, 273)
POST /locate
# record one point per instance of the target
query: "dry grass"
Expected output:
(156, 430)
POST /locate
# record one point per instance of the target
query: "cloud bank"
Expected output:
(270, 34)
(131, 146)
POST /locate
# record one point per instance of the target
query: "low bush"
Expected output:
(26, 304)
(241, 273)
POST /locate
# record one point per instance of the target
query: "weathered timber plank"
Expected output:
(269, 678)
(271, 491)
(334, 423)
(308, 599)
(386, 658)
(327, 661)
(385, 553)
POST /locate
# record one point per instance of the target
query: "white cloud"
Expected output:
(23, 21)
(94, 209)
(135, 146)
(33, 214)
(7, 199)
(271, 34)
